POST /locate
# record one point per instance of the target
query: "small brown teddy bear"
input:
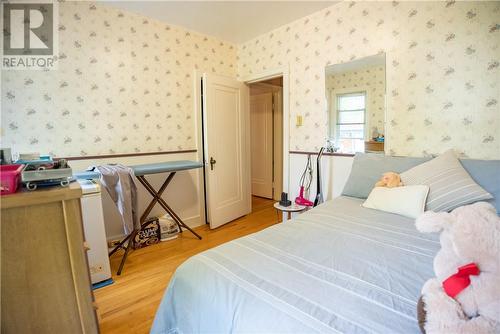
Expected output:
(389, 180)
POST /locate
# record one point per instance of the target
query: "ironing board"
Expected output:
(140, 172)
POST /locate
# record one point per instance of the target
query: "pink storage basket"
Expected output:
(9, 178)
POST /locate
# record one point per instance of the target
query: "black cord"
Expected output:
(319, 195)
(307, 172)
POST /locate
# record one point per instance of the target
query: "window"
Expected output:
(350, 130)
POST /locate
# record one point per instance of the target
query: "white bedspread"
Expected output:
(338, 268)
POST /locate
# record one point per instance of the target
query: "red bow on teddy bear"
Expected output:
(454, 284)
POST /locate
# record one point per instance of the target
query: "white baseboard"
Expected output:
(194, 221)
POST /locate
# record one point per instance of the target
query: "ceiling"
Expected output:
(232, 21)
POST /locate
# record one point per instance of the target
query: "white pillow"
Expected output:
(408, 201)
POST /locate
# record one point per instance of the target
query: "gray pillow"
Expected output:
(367, 169)
(450, 186)
(487, 174)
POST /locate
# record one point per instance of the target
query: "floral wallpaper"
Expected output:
(124, 84)
(371, 79)
(442, 71)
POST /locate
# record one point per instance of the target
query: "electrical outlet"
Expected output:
(113, 243)
(96, 269)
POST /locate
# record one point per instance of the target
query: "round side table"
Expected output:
(288, 209)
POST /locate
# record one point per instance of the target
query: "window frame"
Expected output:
(334, 126)
(338, 111)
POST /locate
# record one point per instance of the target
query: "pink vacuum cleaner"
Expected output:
(305, 184)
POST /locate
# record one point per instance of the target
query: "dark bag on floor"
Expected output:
(149, 234)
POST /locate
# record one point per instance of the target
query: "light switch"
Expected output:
(299, 120)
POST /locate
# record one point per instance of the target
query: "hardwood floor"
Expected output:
(129, 305)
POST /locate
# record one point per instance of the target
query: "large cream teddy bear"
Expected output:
(465, 295)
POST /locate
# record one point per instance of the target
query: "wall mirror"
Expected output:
(355, 94)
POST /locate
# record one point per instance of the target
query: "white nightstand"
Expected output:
(289, 209)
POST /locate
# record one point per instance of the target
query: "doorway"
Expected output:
(266, 138)
(223, 128)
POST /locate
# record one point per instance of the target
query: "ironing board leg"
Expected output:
(129, 245)
(153, 202)
(157, 199)
(177, 218)
(120, 245)
(156, 195)
(143, 218)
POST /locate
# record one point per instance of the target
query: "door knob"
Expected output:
(212, 163)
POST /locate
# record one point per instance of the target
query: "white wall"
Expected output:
(334, 173)
(184, 194)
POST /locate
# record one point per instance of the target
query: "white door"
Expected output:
(261, 144)
(227, 148)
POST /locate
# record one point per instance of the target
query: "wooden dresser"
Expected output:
(45, 282)
(374, 146)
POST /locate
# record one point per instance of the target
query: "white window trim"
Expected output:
(333, 109)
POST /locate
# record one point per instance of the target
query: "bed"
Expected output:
(338, 268)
